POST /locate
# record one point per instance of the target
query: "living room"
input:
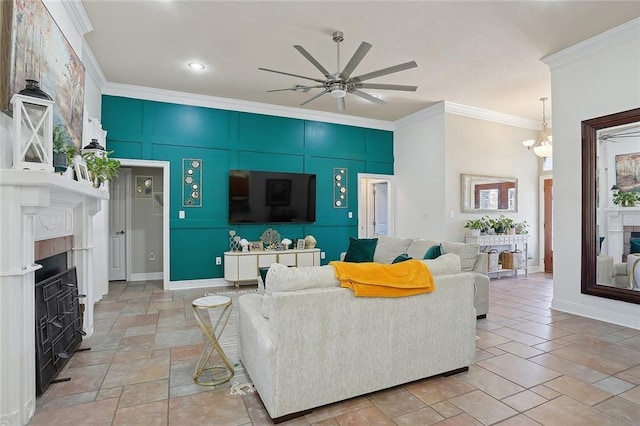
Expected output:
(425, 151)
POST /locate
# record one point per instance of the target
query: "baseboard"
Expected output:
(189, 284)
(596, 313)
(146, 276)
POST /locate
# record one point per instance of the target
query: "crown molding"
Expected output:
(591, 46)
(496, 117)
(418, 116)
(78, 16)
(92, 66)
(162, 95)
(466, 111)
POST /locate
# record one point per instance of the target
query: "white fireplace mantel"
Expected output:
(36, 205)
(617, 219)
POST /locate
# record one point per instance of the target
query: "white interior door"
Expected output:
(380, 208)
(376, 205)
(118, 226)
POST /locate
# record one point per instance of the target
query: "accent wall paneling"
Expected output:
(226, 140)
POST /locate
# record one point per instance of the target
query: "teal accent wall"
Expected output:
(224, 140)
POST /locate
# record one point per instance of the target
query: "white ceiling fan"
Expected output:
(340, 83)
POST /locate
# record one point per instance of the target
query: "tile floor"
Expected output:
(534, 366)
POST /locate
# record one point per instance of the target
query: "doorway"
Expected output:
(126, 253)
(376, 205)
(546, 224)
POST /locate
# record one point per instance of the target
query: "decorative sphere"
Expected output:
(310, 242)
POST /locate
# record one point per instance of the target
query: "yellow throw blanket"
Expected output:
(372, 279)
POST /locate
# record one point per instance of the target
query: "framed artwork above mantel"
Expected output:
(32, 46)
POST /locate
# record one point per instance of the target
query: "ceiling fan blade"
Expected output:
(314, 97)
(385, 71)
(297, 88)
(341, 104)
(355, 59)
(292, 75)
(387, 87)
(313, 60)
(368, 97)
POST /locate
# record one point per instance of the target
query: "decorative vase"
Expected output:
(475, 232)
(310, 242)
(33, 89)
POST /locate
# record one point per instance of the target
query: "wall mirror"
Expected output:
(610, 156)
(488, 193)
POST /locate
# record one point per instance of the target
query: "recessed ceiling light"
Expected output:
(197, 66)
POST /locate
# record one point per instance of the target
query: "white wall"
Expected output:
(433, 150)
(606, 82)
(419, 165)
(482, 147)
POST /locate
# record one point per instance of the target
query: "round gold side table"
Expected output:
(212, 333)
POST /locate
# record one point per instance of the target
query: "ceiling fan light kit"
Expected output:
(340, 83)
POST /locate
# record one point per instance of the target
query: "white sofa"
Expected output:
(307, 342)
(388, 248)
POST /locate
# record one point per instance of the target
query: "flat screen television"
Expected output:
(271, 197)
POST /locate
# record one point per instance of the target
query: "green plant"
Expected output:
(625, 199)
(101, 168)
(522, 227)
(479, 224)
(62, 143)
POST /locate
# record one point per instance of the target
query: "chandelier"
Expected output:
(542, 146)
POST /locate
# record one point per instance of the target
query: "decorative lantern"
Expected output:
(95, 148)
(32, 133)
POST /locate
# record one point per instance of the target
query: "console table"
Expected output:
(243, 266)
(510, 241)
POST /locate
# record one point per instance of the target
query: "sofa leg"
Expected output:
(456, 371)
(291, 416)
(481, 316)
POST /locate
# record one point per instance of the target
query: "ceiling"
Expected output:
(479, 53)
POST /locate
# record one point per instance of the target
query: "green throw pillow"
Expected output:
(401, 258)
(433, 252)
(634, 245)
(361, 250)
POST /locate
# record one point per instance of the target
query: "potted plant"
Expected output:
(508, 225)
(625, 199)
(101, 168)
(476, 226)
(522, 227)
(61, 144)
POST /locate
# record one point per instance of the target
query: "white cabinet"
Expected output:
(501, 243)
(241, 266)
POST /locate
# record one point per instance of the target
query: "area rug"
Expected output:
(240, 382)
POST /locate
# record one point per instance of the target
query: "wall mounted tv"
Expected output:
(271, 197)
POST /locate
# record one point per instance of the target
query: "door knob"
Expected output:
(121, 232)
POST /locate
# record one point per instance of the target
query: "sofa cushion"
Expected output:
(361, 250)
(467, 252)
(433, 252)
(403, 257)
(446, 264)
(282, 278)
(418, 248)
(388, 248)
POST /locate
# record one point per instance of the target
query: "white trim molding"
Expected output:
(92, 66)
(191, 284)
(146, 276)
(607, 315)
(594, 45)
(466, 111)
(78, 16)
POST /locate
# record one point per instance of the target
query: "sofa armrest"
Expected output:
(482, 264)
